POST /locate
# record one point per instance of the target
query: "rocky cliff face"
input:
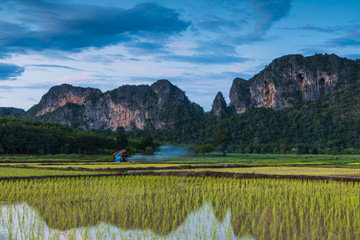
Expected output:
(292, 78)
(219, 107)
(286, 81)
(132, 107)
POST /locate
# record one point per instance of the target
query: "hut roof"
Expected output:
(120, 152)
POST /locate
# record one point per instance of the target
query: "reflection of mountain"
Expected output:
(123, 202)
(220, 209)
(201, 223)
(264, 209)
(158, 212)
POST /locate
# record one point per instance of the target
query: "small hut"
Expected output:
(121, 156)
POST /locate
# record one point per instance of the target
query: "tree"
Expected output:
(284, 146)
(131, 150)
(149, 150)
(222, 140)
(121, 138)
(335, 150)
(147, 141)
(204, 148)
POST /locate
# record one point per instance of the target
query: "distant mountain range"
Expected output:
(160, 105)
(287, 82)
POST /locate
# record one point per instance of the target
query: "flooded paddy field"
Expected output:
(165, 207)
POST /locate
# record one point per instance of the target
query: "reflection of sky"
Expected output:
(202, 223)
(200, 46)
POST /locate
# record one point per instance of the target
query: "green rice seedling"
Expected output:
(134, 207)
(308, 171)
(28, 172)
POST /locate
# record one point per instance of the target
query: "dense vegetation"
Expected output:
(11, 112)
(330, 124)
(311, 127)
(308, 130)
(316, 127)
(32, 137)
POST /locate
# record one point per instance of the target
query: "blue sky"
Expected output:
(200, 46)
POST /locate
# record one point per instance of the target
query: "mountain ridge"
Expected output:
(129, 106)
(286, 82)
(291, 78)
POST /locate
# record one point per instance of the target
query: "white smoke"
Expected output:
(163, 153)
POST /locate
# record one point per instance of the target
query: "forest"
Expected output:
(34, 137)
(309, 128)
(312, 128)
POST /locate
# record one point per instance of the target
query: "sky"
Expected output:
(200, 46)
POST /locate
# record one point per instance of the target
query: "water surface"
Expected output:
(148, 207)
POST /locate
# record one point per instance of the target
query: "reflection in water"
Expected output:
(179, 208)
(20, 221)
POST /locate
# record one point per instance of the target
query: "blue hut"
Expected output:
(121, 156)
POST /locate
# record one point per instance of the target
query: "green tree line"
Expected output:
(33, 137)
(309, 127)
(313, 128)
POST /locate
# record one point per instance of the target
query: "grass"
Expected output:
(159, 207)
(307, 171)
(274, 164)
(54, 158)
(274, 159)
(290, 164)
(232, 158)
(27, 172)
(134, 207)
(102, 165)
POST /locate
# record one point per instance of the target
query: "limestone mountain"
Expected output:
(160, 105)
(294, 78)
(219, 107)
(310, 84)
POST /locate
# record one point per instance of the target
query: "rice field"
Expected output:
(149, 207)
(87, 165)
(307, 171)
(169, 207)
(28, 172)
(232, 158)
(54, 158)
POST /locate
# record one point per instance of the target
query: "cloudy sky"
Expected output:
(200, 46)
